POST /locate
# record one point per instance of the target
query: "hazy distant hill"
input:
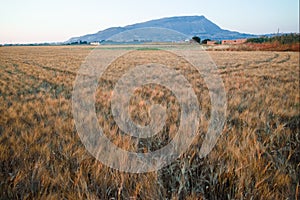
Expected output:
(188, 25)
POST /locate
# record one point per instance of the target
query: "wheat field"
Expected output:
(42, 157)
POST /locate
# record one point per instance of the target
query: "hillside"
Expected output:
(188, 25)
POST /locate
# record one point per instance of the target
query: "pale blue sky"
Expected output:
(28, 21)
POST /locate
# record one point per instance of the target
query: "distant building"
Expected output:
(212, 42)
(237, 41)
(95, 43)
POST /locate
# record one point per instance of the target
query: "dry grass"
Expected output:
(42, 157)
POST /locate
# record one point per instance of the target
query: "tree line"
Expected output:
(282, 39)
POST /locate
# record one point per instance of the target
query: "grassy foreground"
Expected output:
(42, 157)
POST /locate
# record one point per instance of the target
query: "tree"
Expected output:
(205, 41)
(196, 39)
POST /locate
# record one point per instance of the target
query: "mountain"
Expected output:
(165, 29)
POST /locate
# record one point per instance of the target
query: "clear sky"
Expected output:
(30, 21)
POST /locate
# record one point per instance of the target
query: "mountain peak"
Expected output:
(187, 25)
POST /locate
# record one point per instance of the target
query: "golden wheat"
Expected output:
(42, 157)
